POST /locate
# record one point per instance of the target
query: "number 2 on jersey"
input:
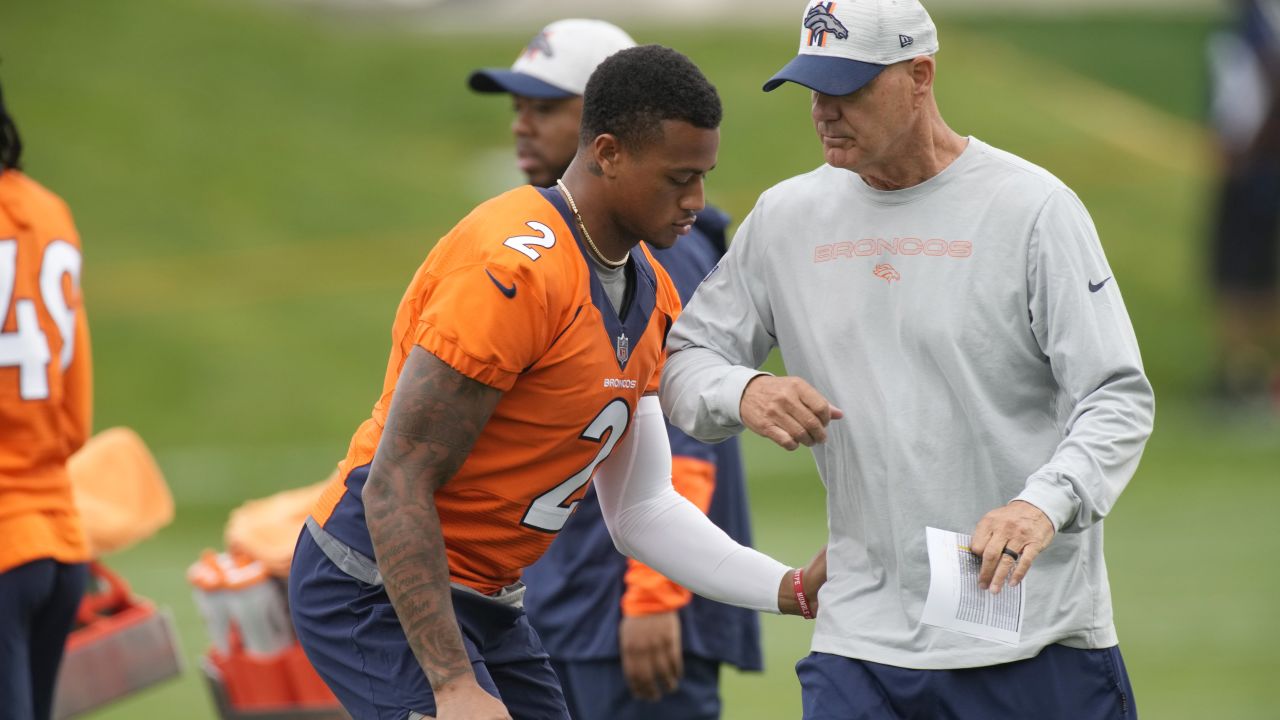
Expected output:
(548, 511)
(544, 239)
(27, 347)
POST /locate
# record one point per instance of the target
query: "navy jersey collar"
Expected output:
(622, 334)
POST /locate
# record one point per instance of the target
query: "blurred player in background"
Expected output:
(652, 649)
(1245, 64)
(527, 351)
(46, 400)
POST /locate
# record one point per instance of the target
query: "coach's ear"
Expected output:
(607, 154)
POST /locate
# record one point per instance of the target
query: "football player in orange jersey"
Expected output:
(526, 354)
(45, 405)
(654, 650)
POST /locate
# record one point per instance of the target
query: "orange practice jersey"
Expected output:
(45, 374)
(507, 298)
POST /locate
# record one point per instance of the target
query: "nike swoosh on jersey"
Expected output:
(1093, 288)
(510, 292)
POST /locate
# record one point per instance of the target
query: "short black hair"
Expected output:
(634, 90)
(10, 143)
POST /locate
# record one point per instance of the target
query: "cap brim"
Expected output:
(507, 81)
(828, 75)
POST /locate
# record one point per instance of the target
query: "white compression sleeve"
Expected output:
(651, 522)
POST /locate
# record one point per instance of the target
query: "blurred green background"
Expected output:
(255, 185)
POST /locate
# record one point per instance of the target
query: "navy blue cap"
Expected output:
(495, 80)
(827, 74)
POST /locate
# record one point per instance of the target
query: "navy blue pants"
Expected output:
(352, 636)
(1246, 246)
(38, 603)
(597, 690)
(1060, 683)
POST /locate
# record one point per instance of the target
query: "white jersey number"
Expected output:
(544, 239)
(27, 347)
(548, 511)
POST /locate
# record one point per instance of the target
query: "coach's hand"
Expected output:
(652, 659)
(787, 410)
(463, 699)
(1019, 528)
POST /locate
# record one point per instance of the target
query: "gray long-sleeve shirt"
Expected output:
(972, 332)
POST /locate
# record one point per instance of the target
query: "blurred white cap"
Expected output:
(557, 62)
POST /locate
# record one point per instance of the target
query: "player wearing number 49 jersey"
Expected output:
(45, 405)
(526, 354)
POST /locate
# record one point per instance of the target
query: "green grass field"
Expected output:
(255, 186)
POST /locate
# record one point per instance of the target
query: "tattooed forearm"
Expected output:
(435, 417)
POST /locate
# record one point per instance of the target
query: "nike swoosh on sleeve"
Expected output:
(510, 292)
(1092, 288)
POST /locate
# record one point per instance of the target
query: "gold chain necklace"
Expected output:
(582, 226)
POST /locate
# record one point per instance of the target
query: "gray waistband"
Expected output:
(352, 562)
(365, 569)
(511, 595)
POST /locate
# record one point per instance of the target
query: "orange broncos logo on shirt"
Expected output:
(887, 272)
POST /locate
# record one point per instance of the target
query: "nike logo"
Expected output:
(1092, 287)
(510, 292)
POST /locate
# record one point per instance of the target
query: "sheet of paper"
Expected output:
(955, 601)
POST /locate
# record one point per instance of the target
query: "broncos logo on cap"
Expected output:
(539, 43)
(820, 20)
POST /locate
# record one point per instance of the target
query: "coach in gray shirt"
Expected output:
(960, 358)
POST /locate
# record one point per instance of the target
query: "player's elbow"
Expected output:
(378, 498)
(613, 522)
